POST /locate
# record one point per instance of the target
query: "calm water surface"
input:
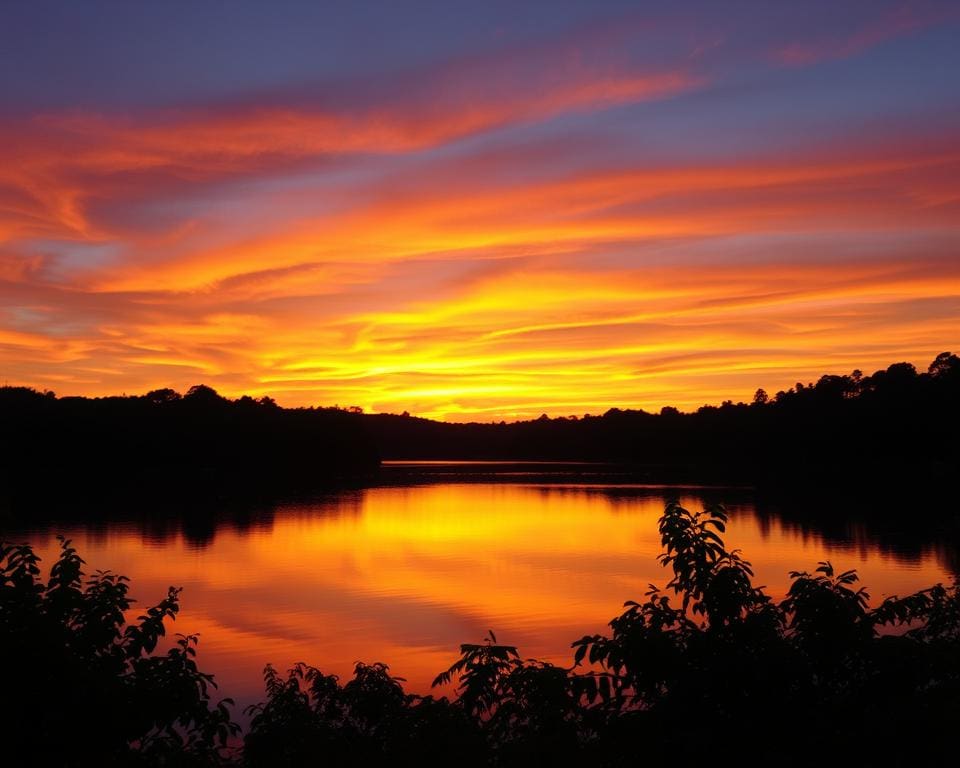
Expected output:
(405, 572)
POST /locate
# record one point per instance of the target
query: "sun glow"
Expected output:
(561, 226)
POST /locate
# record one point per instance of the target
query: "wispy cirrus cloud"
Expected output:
(886, 24)
(56, 165)
(614, 216)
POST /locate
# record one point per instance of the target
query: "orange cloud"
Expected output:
(56, 165)
(460, 279)
(562, 214)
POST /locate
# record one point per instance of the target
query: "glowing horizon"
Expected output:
(484, 217)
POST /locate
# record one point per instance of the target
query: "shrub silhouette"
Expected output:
(82, 687)
(310, 718)
(813, 671)
(709, 663)
(708, 668)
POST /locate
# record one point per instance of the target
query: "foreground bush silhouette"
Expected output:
(792, 681)
(82, 687)
(710, 668)
(310, 719)
(724, 671)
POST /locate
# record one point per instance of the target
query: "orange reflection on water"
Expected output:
(405, 574)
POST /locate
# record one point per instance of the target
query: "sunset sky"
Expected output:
(483, 210)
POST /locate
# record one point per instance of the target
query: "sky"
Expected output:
(476, 211)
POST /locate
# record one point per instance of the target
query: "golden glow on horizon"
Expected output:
(465, 289)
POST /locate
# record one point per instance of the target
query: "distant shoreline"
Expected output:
(894, 429)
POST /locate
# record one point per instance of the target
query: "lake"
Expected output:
(436, 553)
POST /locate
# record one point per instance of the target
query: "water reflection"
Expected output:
(404, 572)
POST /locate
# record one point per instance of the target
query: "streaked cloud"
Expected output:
(607, 216)
(885, 24)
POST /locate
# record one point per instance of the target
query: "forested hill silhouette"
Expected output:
(200, 440)
(895, 425)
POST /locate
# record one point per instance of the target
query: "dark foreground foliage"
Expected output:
(709, 668)
(82, 687)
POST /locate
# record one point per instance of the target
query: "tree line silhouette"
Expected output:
(895, 428)
(894, 418)
(897, 424)
(165, 442)
(709, 668)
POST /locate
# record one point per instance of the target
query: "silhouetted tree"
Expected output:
(945, 365)
(82, 687)
(725, 665)
(201, 442)
(201, 393)
(160, 396)
(841, 432)
(707, 664)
